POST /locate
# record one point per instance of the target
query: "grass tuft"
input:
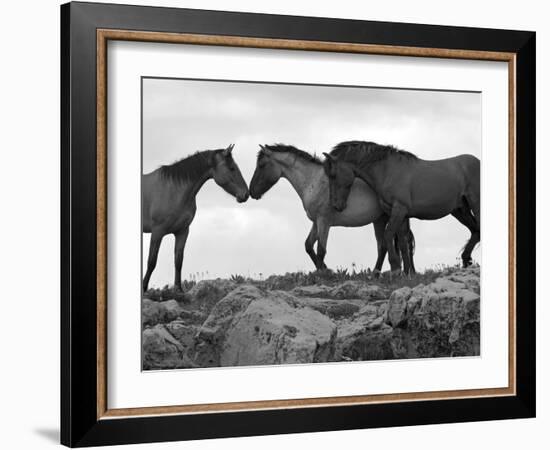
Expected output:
(327, 277)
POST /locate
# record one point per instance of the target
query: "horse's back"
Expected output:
(431, 189)
(465, 167)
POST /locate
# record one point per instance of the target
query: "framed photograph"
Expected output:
(276, 224)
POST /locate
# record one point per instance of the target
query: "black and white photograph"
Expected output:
(275, 225)
(298, 224)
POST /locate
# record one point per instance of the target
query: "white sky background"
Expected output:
(267, 236)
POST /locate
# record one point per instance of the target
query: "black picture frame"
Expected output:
(80, 425)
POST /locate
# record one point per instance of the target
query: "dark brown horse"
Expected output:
(168, 199)
(408, 186)
(305, 173)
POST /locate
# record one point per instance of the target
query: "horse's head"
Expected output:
(267, 173)
(227, 175)
(341, 176)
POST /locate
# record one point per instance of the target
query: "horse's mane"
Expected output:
(283, 148)
(190, 168)
(363, 152)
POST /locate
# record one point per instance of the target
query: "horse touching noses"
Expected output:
(241, 198)
(169, 204)
(228, 176)
(306, 174)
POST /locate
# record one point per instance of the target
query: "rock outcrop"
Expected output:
(252, 327)
(162, 351)
(206, 293)
(159, 312)
(350, 289)
(221, 323)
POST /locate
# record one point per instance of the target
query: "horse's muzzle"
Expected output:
(242, 197)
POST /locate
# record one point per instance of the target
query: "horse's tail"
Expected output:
(410, 238)
(412, 245)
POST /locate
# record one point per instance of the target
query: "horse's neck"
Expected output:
(194, 187)
(301, 174)
(187, 191)
(372, 173)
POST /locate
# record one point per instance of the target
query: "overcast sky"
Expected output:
(267, 236)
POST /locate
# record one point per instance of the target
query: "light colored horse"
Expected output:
(408, 186)
(168, 199)
(305, 174)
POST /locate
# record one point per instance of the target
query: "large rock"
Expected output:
(396, 312)
(440, 319)
(228, 324)
(153, 312)
(365, 337)
(162, 351)
(254, 327)
(185, 334)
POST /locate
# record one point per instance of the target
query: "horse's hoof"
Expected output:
(396, 273)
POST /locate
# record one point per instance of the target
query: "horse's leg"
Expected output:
(181, 239)
(310, 242)
(379, 227)
(473, 205)
(398, 214)
(403, 244)
(154, 246)
(475, 208)
(472, 217)
(322, 233)
(465, 217)
(469, 248)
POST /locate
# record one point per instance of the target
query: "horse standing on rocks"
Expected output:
(168, 199)
(408, 186)
(306, 175)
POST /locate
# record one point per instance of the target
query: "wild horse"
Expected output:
(305, 173)
(408, 186)
(168, 199)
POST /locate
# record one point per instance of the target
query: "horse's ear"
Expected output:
(265, 149)
(328, 157)
(228, 150)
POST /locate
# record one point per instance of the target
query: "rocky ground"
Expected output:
(227, 323)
